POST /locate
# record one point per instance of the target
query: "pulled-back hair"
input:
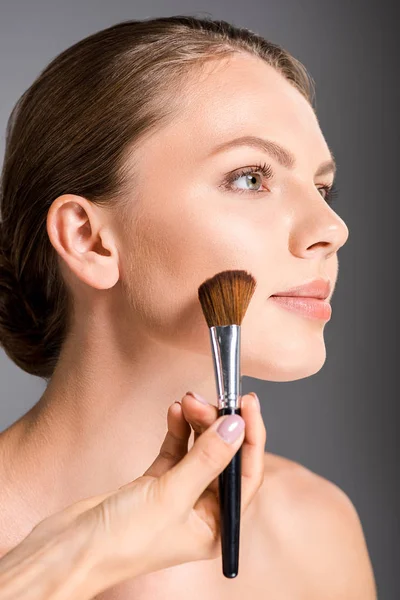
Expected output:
(70, 133)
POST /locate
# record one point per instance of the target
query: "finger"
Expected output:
(175, 443)
(253, 450)
(202, 464)
(199, 415)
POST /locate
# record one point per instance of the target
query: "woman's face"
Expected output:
(188, 223)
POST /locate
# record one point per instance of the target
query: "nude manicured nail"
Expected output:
(231, 428)
(197, 397)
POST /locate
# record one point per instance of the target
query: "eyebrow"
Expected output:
(284, 156)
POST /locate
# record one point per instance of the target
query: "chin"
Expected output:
(286, 358)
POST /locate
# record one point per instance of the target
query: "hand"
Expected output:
(170, 514)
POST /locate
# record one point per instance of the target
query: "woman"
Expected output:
(120, 195)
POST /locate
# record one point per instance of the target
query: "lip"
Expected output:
(308, 299)
(313, 308)
(316, 288)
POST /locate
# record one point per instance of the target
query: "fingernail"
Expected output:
(256, 397)
(231, 428)
(197, 397)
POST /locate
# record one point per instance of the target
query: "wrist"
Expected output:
(105, 558)
(52, 567)
(80, 562)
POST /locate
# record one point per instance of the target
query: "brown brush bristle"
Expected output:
(225, 297)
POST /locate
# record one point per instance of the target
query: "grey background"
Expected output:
(342, 421)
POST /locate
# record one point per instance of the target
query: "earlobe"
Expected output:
(83, 241)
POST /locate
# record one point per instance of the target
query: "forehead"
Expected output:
(243, 95)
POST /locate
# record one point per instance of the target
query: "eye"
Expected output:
(250, 179)
(250, 175)
(331, 192)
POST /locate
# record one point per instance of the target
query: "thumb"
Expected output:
(210, 454)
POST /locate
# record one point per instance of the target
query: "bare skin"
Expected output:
(139, 340)
(297, 520)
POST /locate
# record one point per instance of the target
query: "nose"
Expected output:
(316, 227)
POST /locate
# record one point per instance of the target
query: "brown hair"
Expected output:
(70, 132)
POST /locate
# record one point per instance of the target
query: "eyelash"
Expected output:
(331, 191)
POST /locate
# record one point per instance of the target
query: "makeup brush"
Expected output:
(224, 299)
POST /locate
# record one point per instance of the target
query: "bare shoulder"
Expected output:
(318, 526)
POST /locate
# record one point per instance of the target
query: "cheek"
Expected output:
(187, 245)
(173, 251)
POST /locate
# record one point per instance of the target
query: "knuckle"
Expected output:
(209, 456)
(175, 438)
(173, 447)
(164, 453)
(197, 427)
(195, 423)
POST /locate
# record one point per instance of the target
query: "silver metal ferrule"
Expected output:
(225, 344)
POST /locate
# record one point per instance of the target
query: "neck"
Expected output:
(103, 416)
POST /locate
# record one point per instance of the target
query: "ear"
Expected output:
(79, 232)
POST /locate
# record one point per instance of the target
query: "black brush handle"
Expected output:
(230, 501)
